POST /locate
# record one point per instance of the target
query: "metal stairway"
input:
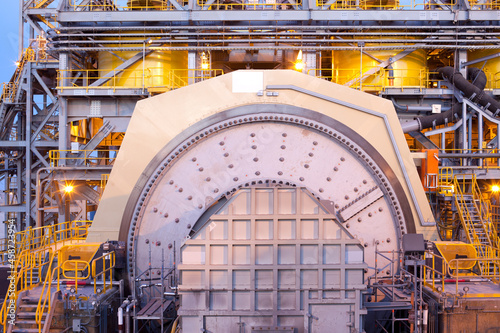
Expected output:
(474, 227)
(10, 97)
(26, 314)
(38, 3)
(475, 217)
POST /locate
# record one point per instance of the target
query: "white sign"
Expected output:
(436, 108)
(248, 81)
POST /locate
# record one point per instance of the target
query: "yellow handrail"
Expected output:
(28, 262)
(90, 157)
(248, 5)
(484, 208)
(136, 5)
(77, 267)
(381, 80)
(108, 256)
(9, 89)
(46, 290)
(465, 214)
(57, 234)
(153, 78)
(434, 278)
(483, 250)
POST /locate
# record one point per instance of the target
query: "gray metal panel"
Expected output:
(277, 277)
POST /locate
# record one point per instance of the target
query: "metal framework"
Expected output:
(63, 98)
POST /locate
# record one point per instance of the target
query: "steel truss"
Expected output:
(68, 37)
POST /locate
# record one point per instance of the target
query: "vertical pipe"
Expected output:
(191, 66)
(63, 108)
(19, 189)
(29, 112)
(143, 61)
(469, 135)
(480, 136)
(318, 73)
(120, 320)
(464, 131)
(425, 319)
(360, 66)
(498, 143)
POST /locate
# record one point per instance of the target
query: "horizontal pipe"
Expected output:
(475, 61)
(426, 108)
(292, 27)
(469, 155)
(253, 40)
(287, 47)
(268, 33)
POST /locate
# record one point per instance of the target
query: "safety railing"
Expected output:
(123, 5)
(363, 4)
(8, 92)
(445, 181)
(81, 270)
(484, 208)
(176, 81)
(434, 275)
(383, 4)
(13, 290)
(104, 182)
(45, 301)
(488, 4)
(250, 5)
(478, 221)
(495, 216)
(127, 5)
(107, 263)
(82, 157)
(9, 89)
(34, 255)
(382, 79)
(149, 78)
(465, 213)
(438, 272)
(56, 235)
(26, 273)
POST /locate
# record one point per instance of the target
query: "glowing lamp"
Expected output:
(68, 188)
(205, 62)
(299, 66)
(495, 188)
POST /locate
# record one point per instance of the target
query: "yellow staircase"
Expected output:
(9, 90)
(39, 3)
(476, 221)
(9, 95)
(32, 254)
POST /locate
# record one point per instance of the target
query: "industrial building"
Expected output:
(252, 166)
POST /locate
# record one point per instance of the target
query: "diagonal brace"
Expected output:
(379, 67)
(121, 68)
